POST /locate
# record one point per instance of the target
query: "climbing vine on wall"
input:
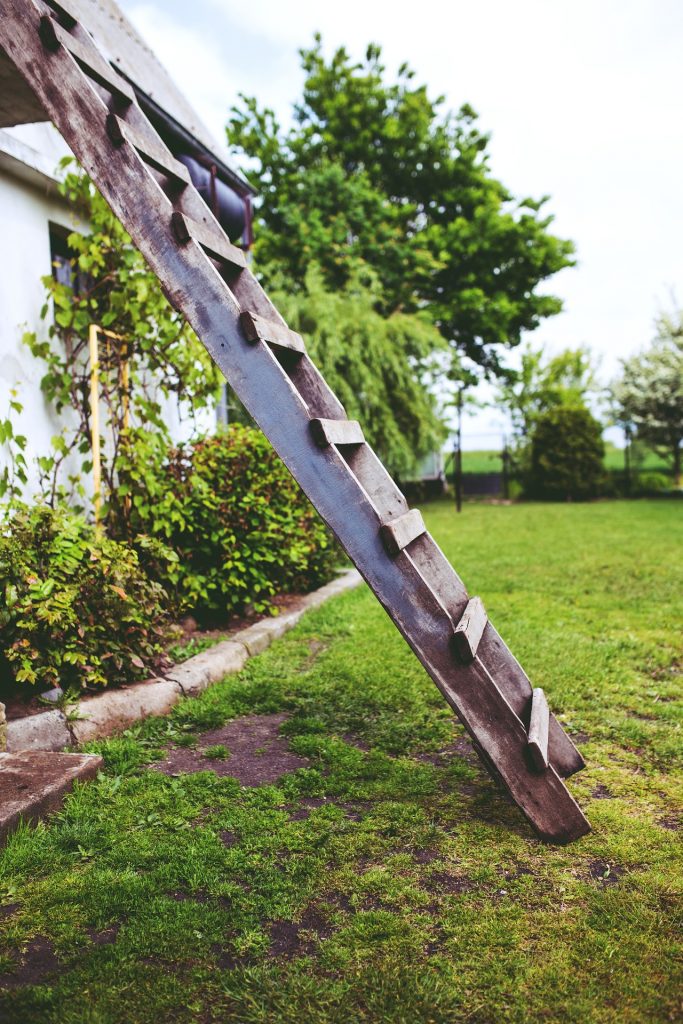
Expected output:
(155, 357)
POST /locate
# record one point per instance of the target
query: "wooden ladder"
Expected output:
(207, 279)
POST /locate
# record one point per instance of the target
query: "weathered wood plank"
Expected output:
(150, 147)
(211, 237)
(379, 486)
(538, 730)
(87, 56)
(327, 432)
(196, 287)
(399, 533)
(470, 629)
(256, 328)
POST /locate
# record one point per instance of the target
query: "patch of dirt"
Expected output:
(339, 900)
(22, 705)
(259, 755)
(179, 896)
(354, 741)
(228, 838)
(602, 793)
(516, 871)
(8, 909)
(672, 822)
(302, 810)
(579, 738)
(190, 629)
(226, 960)
(442, 883)
(355, 811)
(604, 873)
(424, 856)
(36, 963)
(469, 788)
(289, 938)
(105, 937)
(460, 747)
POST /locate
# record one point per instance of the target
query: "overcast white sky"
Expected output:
(582, 98)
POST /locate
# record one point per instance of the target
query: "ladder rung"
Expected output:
(469, 630)
(538, 730)
(256, 328)
(210, 237)
(328, 432)
(69, 8)
(54, 36)
(400, 532)
(150, 148)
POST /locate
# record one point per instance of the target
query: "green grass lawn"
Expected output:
(386, 879)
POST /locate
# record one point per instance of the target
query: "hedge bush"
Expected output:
(567, 454)
(77, 608)
(241, 527)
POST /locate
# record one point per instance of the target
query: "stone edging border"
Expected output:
(115, 710)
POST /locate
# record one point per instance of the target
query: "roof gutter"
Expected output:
(189, 143)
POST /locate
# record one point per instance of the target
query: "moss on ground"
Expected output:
(388, 880)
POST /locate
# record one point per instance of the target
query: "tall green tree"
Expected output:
(647, 398)
(567, 452)
(376, 172)
(543, 383)
(380, 367)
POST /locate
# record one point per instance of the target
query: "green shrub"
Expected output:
(241, 527)
(77, 609)
(646, 484)
(566, 455)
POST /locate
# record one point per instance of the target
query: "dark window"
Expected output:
(63, 258)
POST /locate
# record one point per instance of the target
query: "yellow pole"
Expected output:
(125, 384)
(95, 422)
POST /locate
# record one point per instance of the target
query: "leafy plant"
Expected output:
(651, 483)
(566, 454)
(241, 528)
(13, 475)
(149, 362)
(184, 649)
(77, 608)
(218, 752)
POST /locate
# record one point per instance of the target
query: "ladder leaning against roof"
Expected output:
(206, 277)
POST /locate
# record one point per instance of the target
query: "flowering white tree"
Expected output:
(648, 397)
